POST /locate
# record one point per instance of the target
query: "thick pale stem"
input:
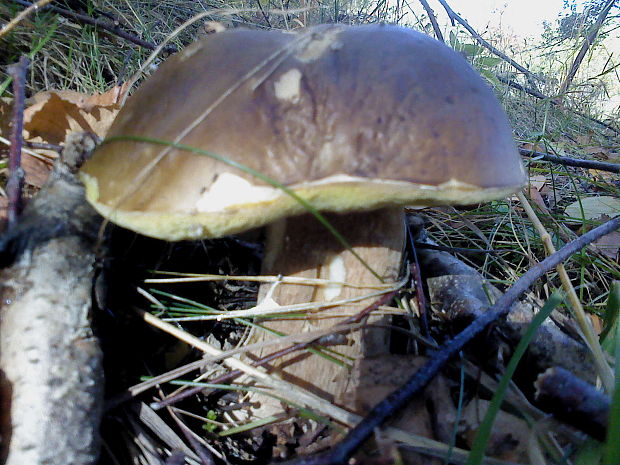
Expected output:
(302, 247)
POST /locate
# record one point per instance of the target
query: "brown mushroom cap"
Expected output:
(350, 118)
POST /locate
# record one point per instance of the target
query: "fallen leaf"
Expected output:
(596, 151)
(597, 323)
(534, 147)
(534, 188)
(534, 195)
(509, 437)
(51, 115)
(4, 204)
(57, 114)
(6, 110)
(36, 169)
(604, 176)
(594, 208)
(608, 245)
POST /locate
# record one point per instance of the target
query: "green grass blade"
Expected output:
(339, 237)
(610, 319)
(612, 447)
(476, 455)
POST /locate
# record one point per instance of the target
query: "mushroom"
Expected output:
(355, 122)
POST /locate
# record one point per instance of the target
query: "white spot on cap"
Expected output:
(337, 272)
(287, 87)
(229, 190)
(189, 51)
(318, 44)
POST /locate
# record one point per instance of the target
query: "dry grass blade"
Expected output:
(21, 16)
(604, 370)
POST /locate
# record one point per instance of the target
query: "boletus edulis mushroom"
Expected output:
(356, 121)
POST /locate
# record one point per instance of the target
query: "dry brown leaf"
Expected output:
(538, 181)
(85, 101)
(534, 147)
(604, 176)
(534, 188)
(56, 114)
(509, 437)
(36, 170)
(597, 323)
(52, 115)
(534, 195)
(596, 151)
(584, 139)
(608, 245)
(6, 109)
(4, 205)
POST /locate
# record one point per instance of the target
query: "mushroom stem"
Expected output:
(302, 247)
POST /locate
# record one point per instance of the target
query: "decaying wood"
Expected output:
(50, 362)
(460, 294)
(573, 401)
(303, 248)
(461, 298)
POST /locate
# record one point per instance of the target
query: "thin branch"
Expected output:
(433, 19)
(15, 182)
(8, 27)
(585, 46)
(455, 17)
(583, 321)
(227, 377)
(111, 28)
(573, 401)
(569, 161)
(553, 101)
(340, 454)
(265, 16)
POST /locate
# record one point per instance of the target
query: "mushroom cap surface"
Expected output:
(350, 118)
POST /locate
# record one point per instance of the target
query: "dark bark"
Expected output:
(573, 401)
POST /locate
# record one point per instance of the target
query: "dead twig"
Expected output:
(278, 354)
(8, 27)
(340, 454)
(455, 17)
(433, 19)
(585, 46)
(569, 161)
(15, 182)
(591, 339)
(573, 401)
(541, 96)
(107, 26)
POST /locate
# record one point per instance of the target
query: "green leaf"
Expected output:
(490, 76)
(488, 62)
(454, 43)
(471, 50)
(594, 207)
(590, 453)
